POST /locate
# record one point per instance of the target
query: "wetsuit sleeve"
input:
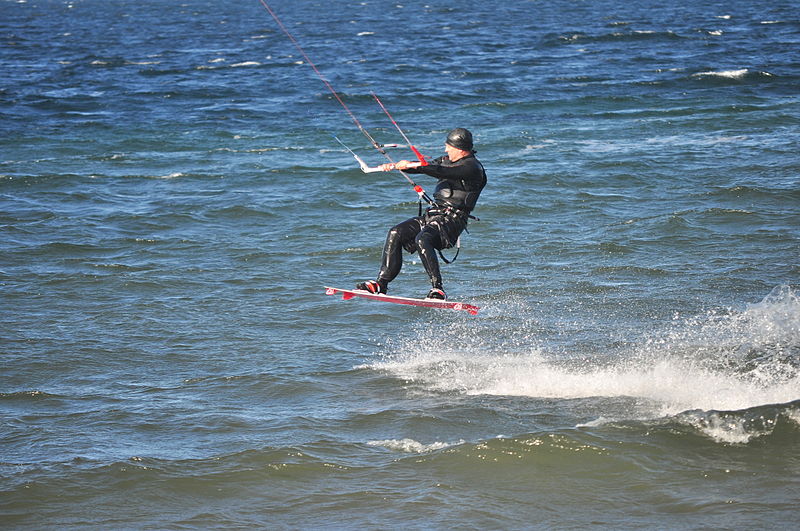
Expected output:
(463, 170)
(421, 169)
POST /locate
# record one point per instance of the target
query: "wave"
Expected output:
(588, 446)
(741, 427)
(725, 360)
(554, 39)
(740, 74)
(752, 193)
(411, 446)
(33, 394)
(778, 423)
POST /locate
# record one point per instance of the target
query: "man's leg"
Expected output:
(400, 236)
(428, 240)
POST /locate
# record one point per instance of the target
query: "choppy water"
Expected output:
(172, 202)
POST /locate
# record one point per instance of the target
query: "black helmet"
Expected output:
(460, 138)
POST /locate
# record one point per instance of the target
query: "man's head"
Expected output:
(460, 138)
(458, 144)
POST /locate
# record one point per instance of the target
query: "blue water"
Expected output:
(172, 202)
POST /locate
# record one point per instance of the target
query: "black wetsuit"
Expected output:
(460, 184)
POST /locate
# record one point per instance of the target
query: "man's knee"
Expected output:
(424, 241)
(394, 234)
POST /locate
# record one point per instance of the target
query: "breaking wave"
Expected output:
(411, 446)
(697, 371)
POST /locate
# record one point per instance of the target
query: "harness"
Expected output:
(464, 197)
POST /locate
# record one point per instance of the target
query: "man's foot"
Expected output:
(436, 293)
(372, 286)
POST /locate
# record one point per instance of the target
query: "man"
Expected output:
(461, 179)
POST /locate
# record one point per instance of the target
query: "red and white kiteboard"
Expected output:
(348, 294)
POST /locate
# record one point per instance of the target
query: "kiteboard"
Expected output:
(348, 294)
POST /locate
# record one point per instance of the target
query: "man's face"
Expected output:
(452, 153)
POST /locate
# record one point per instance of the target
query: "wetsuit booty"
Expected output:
(436, 293)
(372, 286)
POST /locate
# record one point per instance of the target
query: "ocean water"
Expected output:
(172, 202)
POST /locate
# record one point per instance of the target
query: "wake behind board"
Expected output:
(348, 294)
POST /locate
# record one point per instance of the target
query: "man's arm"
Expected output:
(400, 165)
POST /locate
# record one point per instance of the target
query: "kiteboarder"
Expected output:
(461, 178)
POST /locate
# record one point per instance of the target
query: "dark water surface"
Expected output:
(172, 202)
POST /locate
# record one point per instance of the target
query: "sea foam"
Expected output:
(719, 361)
(411, 446)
